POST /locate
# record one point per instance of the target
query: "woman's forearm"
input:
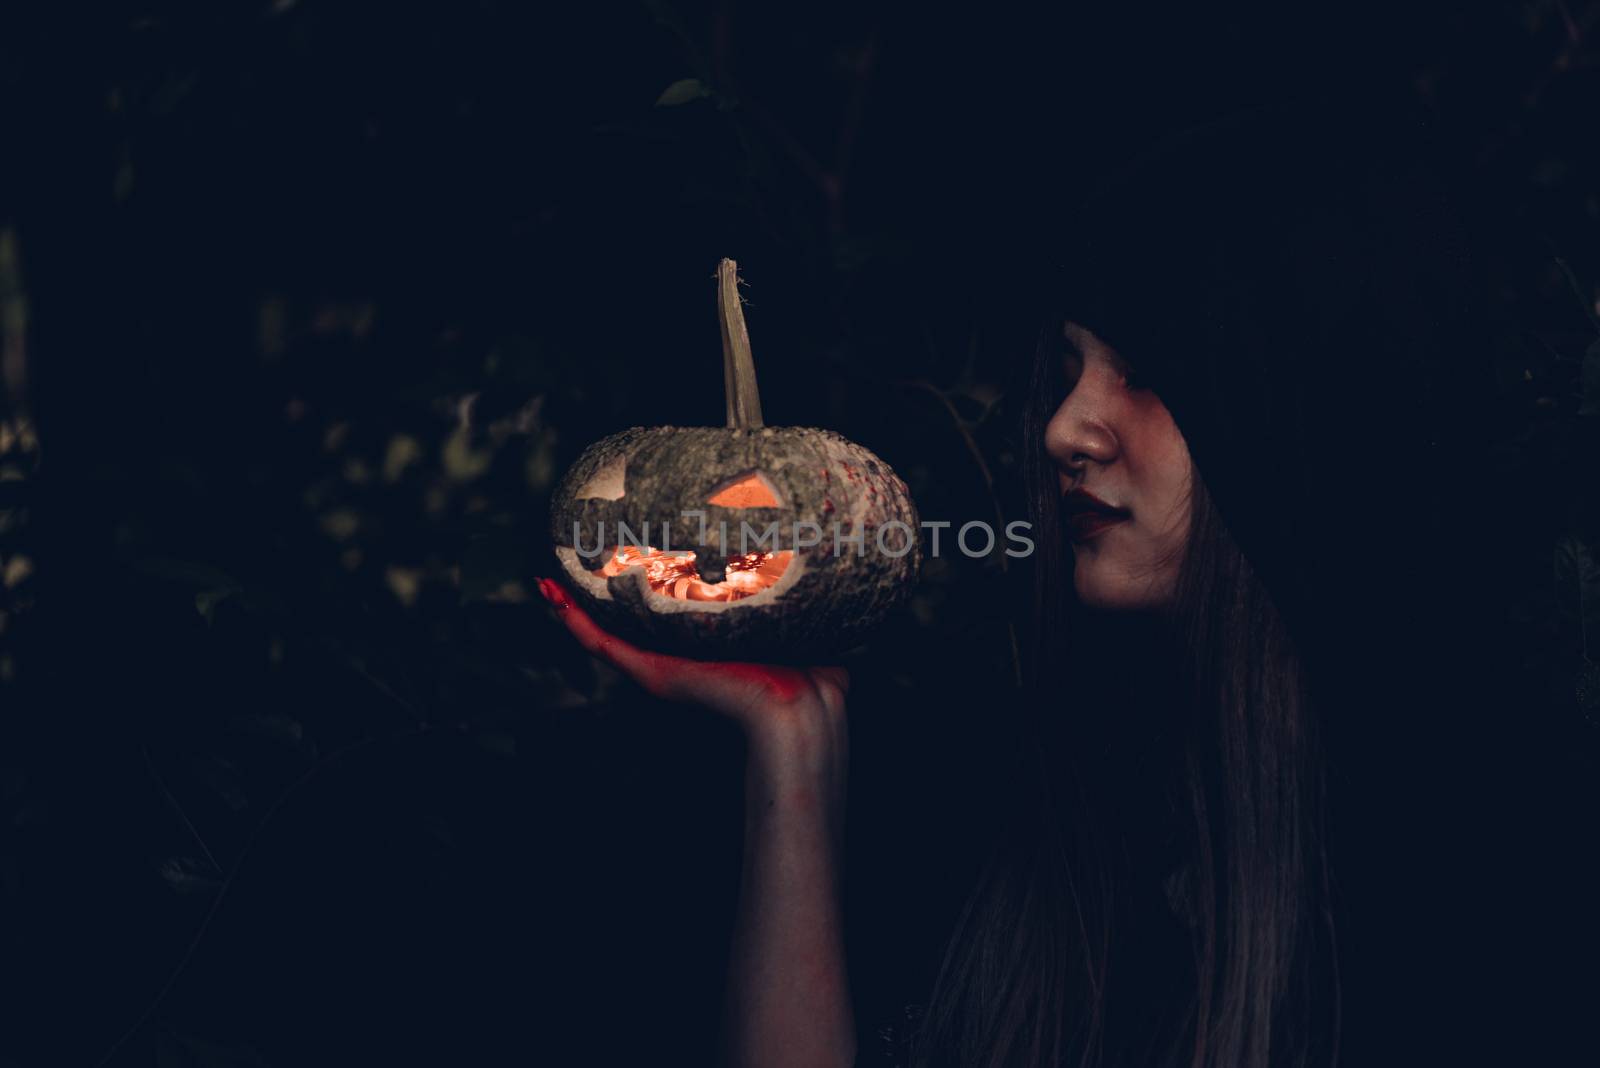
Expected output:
(788, 999)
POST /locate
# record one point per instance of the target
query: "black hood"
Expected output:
(1296, 288)
(1298, 294)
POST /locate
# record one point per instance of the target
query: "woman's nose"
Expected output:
(1075, 437)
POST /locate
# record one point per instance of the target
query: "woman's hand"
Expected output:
(787, 1001)
(786, 713)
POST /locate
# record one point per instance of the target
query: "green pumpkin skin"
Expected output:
(832, 593)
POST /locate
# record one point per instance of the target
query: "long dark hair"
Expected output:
(1050, 962)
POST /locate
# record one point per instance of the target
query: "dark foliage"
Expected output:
(305, 305)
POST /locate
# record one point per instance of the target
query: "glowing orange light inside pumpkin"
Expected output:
(751, 491)
(675, 575)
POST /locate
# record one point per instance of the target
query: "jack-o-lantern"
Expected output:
(744, 541)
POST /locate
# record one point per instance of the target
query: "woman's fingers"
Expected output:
(833, 685)
(834, 675)
(647, 669)
(730, 687)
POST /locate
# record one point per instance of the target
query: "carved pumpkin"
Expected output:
(744, 541)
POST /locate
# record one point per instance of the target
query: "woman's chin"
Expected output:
(1106, 589)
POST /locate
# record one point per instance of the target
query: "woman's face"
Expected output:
(1124, 473)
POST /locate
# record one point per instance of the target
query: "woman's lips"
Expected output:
(1086, 525)
(1087, 515)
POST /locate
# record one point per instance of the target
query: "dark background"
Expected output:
(305, 306)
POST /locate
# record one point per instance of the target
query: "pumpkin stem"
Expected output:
(738, 366)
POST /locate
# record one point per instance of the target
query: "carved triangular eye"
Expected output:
(607, 483)
(746, 491)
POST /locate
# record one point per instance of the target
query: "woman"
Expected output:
(1252, 405)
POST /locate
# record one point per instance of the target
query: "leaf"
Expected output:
(404, 582)
(340, 524)
(206, 601)
(490, 565)
(190, 875)
(501, 743)
(1587, 691)
(211, 585)
(403, 451)
(176, 1050)
(188, 572)
(1590, 404)
(15, 570)
(540, 464)
(682, 92)
(462, 462)
(274, 727)
(220, 774)
(1577, 576)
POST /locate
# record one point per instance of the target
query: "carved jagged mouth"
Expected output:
(675, 574)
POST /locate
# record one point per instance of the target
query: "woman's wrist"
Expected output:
(798, 768)
(794, 747)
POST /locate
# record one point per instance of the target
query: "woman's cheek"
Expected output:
(1128, 569)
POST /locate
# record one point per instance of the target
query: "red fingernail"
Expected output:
(554, 594)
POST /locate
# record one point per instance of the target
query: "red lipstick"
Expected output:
(1086, 515)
